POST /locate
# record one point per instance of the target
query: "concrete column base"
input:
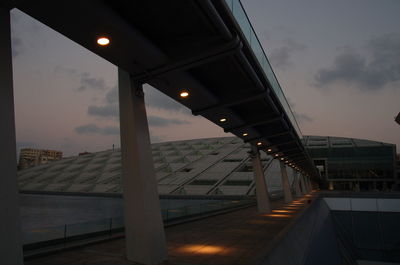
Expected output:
(263, 201)
(285, 183)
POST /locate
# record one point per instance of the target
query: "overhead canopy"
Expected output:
(207, 48)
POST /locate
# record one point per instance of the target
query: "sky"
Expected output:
(338, 63)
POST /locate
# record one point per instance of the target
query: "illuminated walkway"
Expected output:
(239, 237)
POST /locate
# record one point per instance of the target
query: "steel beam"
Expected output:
(212, 54)
(245, 126)
(231, 103)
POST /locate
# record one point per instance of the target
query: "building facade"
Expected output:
(29, 157)
(220, 166)
(353, 164)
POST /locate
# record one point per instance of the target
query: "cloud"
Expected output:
(154, 99)
(107, 111)
(86, 80)
(158, 100)
(157, 121)
(89, 82)
(24, 27)
(112, 95)
(112, 111)
(94, 129)
(154, 121)
(367, 73)
(300, 117)
(280, 57)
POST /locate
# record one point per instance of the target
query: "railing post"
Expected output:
(111, 227)
(65, 235)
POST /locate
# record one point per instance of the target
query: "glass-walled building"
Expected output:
(353, 164)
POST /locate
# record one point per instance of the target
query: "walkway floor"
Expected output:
(235, 238)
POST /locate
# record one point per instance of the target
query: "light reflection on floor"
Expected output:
(204, 249)
(278, 215)
(283, 211)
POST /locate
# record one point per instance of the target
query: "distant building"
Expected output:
(29, 157)
(353, 164)
(220, 166)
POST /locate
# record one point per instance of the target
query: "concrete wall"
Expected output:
(309, 240)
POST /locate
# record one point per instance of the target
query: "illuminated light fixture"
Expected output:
(276, 155)
(269, 150)
(184, 94)
(282, 158)
(259, 143)
(103, 41)
(222, 120)
(245, 134)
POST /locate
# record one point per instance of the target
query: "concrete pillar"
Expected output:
(302, 184)
(10, 229)
(285, 183)
(297, 184)
(144, 230)
(309, 186)
(263, 202)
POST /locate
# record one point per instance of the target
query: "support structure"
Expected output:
(285, 183)
(301, 184)
(144, 230)
(263, 201)
(297, 184)
(309, 187)
(10, 229)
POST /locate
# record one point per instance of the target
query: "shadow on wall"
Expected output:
(311, 240)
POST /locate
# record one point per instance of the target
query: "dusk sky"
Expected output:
(338, 63)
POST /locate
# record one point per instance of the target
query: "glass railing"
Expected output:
(241, 18)
(108, 227)
(66, 232)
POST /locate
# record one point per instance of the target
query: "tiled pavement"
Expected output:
(235, 238)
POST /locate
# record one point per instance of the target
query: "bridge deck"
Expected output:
(239, 237)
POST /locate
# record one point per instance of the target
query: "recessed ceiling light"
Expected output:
(245, 134)
(103, 41)
(269, 150)
(222, 120)
(184, 94)
(259, 143)
(282, 158)
(276, 155)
